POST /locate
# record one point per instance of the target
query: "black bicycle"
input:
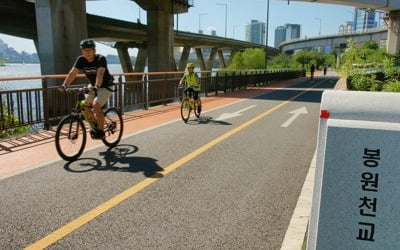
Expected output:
(71, 133)
(188, 104)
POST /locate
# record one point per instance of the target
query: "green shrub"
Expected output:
(7, 121)
(364, 82)
(393, 86)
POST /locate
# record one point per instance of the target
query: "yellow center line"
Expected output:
(92, 214)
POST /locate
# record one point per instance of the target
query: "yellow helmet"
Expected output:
(190, 65)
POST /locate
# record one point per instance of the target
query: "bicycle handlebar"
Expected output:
(84, 90)
(180, 86)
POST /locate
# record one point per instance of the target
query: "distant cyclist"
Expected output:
(192, 82)
(312, 70)
(94, 66)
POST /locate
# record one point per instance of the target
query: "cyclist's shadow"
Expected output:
(118, 159)
(207, 120)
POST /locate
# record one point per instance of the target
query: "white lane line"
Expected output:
(296, 231)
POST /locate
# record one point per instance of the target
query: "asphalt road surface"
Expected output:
(229, 180)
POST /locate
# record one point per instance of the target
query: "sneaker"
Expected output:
(97, 134)
(92, 133)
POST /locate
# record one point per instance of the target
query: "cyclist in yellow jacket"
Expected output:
(192, 82)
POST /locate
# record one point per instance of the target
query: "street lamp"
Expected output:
(266, 35)
(139, 19)
(226, 15)
(202, 14)
(320, 22)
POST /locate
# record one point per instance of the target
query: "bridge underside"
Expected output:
(57, 26)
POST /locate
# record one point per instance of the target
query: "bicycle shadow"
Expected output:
(118, 159)
(207, 120)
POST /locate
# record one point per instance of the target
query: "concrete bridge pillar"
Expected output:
(124, 58)
(141, 58)
(160, 39)
(200, 59)
(221, 59)
(160, 33)
(61, 25)
(393, 41)
(184, 58)
(211, 58)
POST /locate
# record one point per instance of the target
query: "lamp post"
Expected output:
(226, 15)
(202, 14)
(266, 36)
(139, 19)
(320, 24)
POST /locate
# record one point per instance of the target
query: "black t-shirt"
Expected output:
(90, 69)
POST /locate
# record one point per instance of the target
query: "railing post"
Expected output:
(146, 90)
(45, 97)
(119, 97)
(207, 83)
(225, 81)
(233, 81)
(164, 89)
(246, 79)
(217, 79)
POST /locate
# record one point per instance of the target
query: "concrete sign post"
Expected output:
(356, 199)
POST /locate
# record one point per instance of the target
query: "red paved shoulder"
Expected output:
(26, 152)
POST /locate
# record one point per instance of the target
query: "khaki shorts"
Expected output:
(102, 97)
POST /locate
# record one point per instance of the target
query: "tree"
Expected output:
(283, 61)
(303, 57)
(248, 59)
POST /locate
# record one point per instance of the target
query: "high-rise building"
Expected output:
(292, 31)
(364, 19)
(255, 32)
(345, 28)
(286, 33)
(280, 35)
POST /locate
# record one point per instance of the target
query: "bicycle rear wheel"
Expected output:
(70, 138)
(113, 127)
(185, 110)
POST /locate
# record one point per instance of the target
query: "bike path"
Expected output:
(159, 111)
(34, 150)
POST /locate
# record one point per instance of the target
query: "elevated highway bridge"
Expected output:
(392, 18)
(57, 26)
(325, 43)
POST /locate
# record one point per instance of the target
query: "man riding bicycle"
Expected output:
(191, 80)
(94, 66)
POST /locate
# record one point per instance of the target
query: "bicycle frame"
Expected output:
(79, 111)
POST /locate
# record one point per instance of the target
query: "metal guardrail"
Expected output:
(46, 105)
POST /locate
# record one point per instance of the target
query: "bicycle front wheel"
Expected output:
(185, 110)
(113, 127)
(70, 138)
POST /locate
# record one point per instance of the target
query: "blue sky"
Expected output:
(210, 15)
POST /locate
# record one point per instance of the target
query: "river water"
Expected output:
(19, 69)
